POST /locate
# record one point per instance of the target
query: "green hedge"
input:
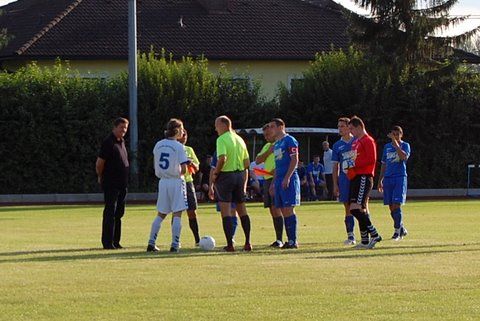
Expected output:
(52, 123)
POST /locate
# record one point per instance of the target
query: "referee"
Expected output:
(230, 179)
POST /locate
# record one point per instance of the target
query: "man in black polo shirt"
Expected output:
(112, 170)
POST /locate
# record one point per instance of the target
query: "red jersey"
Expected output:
(365, 151)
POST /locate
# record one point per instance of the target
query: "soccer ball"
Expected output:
(207, 243)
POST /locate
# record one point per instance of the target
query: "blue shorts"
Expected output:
(394, 190)
(287, 197)
(343, 189)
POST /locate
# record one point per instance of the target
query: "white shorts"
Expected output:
(172, 195)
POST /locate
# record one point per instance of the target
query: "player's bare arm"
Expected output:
(261, 158)
(398, 148)
(291, 169)
(271, 189)
(211, 193)
(183, 169)
(335, 179)
(380, 178)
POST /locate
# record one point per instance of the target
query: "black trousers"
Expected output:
(114, 198)
(329, 182)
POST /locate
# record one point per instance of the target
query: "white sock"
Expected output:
(176, 230)
(156, 224)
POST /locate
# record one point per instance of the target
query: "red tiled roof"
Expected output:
(251, 29)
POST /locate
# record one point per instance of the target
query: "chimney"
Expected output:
(216, 6)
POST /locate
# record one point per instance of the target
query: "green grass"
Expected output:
(52, 268)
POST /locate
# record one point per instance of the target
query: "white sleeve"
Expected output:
(156, 167)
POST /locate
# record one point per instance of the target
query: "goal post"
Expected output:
(473, 180)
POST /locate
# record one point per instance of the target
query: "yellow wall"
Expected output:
(270, 73)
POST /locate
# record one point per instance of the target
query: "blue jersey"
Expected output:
(342, 154)
(394, 166)
(316, 170)
(283, 151)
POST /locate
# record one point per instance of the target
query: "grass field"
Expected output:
(52, 268)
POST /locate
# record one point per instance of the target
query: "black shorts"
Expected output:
(360, 188)
(229, 187)
(267, 198)
(191, 197)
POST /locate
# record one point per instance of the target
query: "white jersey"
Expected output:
(168, 155)
(327, 161)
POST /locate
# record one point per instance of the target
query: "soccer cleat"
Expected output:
(174, 249)
(361, 246)
(229, 248)
(290, 245)
(373, 241)
(197, 244)
(277, 244)
(350, 241)
(403, 232)
(152, 248)
(396, 237)
(118, 246)
(247, 247)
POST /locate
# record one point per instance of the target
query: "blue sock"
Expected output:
(397, 218)
(291, 228)
(349, 223)
(234, 225)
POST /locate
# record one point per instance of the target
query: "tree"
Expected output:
(404, 33)
(472, 46)
(4, 38)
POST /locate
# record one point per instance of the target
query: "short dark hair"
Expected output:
(278, 122)
(316, 156)
(356, 121)
(172, 127)
(345, 120)
(264, 127)
(120, 120)
(397, 129)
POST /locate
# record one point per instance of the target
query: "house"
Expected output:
(270, 40)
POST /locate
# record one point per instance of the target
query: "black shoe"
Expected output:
(277, 244)
(118, 246)
(152, 248)
(109, 247)
(174, 249)
(290, 245)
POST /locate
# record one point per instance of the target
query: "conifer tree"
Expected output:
(406, 33)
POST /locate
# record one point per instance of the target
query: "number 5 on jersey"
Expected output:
(163, 162)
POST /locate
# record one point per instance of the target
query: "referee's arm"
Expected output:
(246, 165)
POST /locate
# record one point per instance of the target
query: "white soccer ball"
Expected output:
(207, 243)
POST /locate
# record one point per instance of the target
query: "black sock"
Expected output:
(194, 227)
(362, 224)
(246, 227)
(371, 229)
(227, 229)
(278, 224)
